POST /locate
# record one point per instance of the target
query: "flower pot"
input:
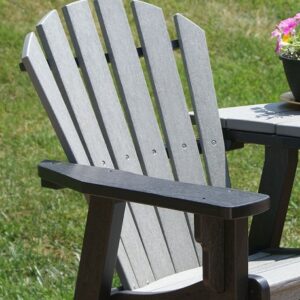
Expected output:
(292, 72)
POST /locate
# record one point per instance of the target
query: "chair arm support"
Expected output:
(125, 186)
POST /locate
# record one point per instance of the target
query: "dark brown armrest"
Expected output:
(124, 186)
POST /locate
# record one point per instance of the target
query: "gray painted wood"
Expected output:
(135, 250)
(44, 82)
(98, 258)
(168, 92)
(144, 128)
(196, 60)
(176, 123)
(100, 85)
(283, 278)
(289, 128)
(265, 118)
(112, 121)
(268, 263)
(72, 87)
(125, 270)
(133, 88)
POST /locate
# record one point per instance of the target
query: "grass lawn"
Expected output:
(41, 230)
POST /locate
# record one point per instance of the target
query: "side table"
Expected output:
(277, 127)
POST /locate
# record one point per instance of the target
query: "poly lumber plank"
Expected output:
(44, 82)
(133, 87)
(100, 85)
(144, 127)
(112, 121)
(72, 87)
(259, 117)
(196, 60)
(168, 92)
(284, 280)
(177, 127)
(91, 56)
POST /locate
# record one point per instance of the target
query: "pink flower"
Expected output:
(277, 34)
(288, 25)
(297, 18)
(285, 32)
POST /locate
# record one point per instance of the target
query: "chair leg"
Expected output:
(99, 250)
(225, 262)
(276, 181)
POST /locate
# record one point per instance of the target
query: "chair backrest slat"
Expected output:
(134, 89)
(110, 116)
(134, 248)
(72, 88)
(55, 42)
(173, 110)
(41, 76)
(196, 59)
(168, 91)
(100, 85)
(142, 120)
(125, 269)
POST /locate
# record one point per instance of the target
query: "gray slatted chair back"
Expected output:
(116, 127)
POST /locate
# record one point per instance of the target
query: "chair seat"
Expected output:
(282, 271)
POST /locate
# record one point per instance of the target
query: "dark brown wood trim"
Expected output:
(99, 250)
(125, 186)
(258, 288)
(277, 181)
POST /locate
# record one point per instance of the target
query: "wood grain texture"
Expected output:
(133, 88)
(143, 124)
(112, 121)
(277, 181)
(99, 251)
(100, 85)
(197, 65)
(178, 131)
(72, 88)
(215, 201)
(287, 286)
(168, 91)
(44, 82)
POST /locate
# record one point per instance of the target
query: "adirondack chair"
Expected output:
(142, 173)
